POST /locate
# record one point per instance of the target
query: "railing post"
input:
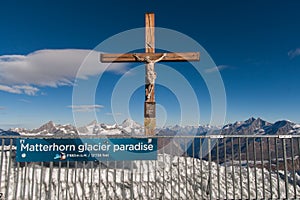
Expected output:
(209, 182)
(1, 162)
(277, 168)
(9, 168)
(293, 169)
(225, 165)
(218, 170)
(232, 168)
(270, 168)
(262, 167)
(248, 170)
(255, 172)
(240, 163)
(285, 169)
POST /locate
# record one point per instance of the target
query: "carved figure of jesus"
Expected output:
(150, 72)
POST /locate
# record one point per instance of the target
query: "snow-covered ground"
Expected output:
(168, 177)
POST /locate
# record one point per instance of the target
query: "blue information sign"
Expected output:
(104, 149)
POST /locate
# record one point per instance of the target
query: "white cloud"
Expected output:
(2, 108)
(114, 114)
(293, 53)
(52, 68)
(85, 108)
(27, 89)
(24, 100)
(216, 68)
(20, 89)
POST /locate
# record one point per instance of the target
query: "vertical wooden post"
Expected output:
(149, 106)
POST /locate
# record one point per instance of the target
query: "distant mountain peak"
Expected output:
(94, 122)
(250, 120)
(129, 120)
(49, 126)
(50, 123)
(130, 123)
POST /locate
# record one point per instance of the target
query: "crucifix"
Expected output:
(150, 58)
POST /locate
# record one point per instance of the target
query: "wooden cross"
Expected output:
(150, 58)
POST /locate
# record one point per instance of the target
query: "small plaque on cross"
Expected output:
(150, 109)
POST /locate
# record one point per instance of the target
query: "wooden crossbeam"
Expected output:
(170, 57)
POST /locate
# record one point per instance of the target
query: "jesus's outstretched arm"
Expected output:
(159, 59)
(138, 58)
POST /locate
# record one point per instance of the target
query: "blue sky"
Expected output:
(254, 44)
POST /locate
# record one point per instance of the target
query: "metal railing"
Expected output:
(187, 167)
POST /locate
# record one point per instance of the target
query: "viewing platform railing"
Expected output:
(187, 167)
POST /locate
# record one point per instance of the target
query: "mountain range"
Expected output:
(94, 128)
(224, 149)
(251, 126)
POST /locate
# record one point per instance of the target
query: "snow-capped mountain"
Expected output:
(261, 127)
(130, 126)
(127, 127)
(50, 128)
(94, 128)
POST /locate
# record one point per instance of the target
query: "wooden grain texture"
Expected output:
(150, 124)
(149, 33)
(150, 118)
(170, 57)
(149, 48)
